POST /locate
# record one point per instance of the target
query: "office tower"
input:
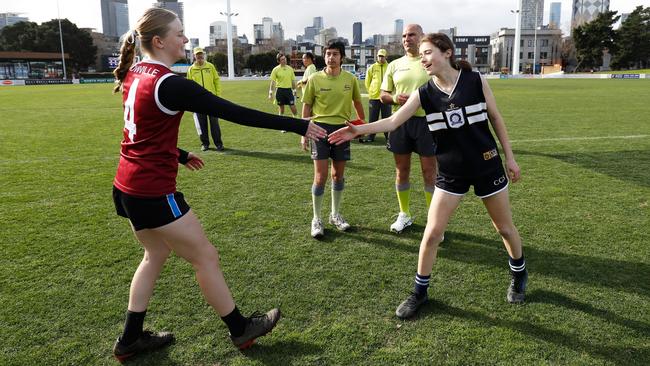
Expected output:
(532, 14)
(115, 17)
(173, 5)
(585, 11)
(357, 33)
(11, 19)
(554, 17)
(318, 23)
(399, 26)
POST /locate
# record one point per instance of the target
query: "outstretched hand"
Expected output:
(194, 162)
(315, 132)
(343, 134)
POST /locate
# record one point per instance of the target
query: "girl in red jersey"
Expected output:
(460, 109)
(145, 184)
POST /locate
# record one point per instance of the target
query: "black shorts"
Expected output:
(322, 149)
(412, 136)
(284, 96)
(150, 213)
(484, 186)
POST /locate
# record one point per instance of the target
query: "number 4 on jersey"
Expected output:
(129, 110)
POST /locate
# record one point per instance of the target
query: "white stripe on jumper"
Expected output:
(477, 118)
(437, 126)
(434, 116)
(475, 108)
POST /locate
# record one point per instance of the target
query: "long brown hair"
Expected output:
(442, 42)
(154, 22)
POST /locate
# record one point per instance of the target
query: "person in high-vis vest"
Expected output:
(374, 78)
(206, 75)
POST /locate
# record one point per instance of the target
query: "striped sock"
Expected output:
(517, 266)
(421, 285)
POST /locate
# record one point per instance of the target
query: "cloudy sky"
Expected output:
(476, 17)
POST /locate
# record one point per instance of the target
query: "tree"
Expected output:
(262, 62)
(22, 36)
(219, 60)
(30, 37)
(76, 42)
(633, 40)
(592, 38)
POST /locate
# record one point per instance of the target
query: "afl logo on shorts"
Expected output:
(455, 118)
(500, 180)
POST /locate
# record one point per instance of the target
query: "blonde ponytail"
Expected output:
(154, 22)
(127, 55)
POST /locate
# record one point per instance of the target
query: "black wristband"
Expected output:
(183, 156)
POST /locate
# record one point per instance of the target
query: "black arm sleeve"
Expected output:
(179, 94)
(183, 156)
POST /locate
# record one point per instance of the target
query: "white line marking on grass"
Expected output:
(582, 138)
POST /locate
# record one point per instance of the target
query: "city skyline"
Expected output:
(470, 19)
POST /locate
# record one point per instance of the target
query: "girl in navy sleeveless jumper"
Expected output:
(460, 108)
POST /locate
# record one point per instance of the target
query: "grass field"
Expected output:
(582, 209)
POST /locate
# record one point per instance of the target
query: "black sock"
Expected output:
(236, 322)
(517, 266)
(421, 285)
(132, 327)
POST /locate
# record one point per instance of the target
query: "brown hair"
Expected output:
(154, 22)
(279, 56)
(442, 42)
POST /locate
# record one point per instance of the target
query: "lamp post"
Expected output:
(535, 39)
(231, 61)
(65, 74)
(515, 51)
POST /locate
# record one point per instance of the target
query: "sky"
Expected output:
(472, 18)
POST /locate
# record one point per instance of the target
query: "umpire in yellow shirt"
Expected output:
(284, 79)
(374, 78)
(206, 75)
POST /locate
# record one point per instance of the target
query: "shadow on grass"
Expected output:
(616, 355)
(631, 277)
(158, 357)
(558, 299)
(282, 353)
(630, 165)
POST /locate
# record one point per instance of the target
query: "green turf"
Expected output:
(582, 209)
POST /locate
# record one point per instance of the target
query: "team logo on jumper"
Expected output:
(325, 89)
(455, 118)
(490, 154)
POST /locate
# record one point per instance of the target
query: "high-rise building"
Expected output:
(11, 19)
(585, 11)
(318, 23)
(399, 26)
(554, 17)
(357, 36)
(219, 30)
(450, 32)
(258, 31)
(532, 14)
(326, 34)
(378, 40)
(115, 17)
(173, 5)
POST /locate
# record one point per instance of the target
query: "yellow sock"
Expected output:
(404, 197)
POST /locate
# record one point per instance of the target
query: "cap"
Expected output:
(198, 50)
(382, 52)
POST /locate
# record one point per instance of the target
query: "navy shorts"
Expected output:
(150, 213)
(484, 186)
(284, 96)
(412, 136)
(322, 149)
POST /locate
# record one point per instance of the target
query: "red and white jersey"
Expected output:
(149, 157)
